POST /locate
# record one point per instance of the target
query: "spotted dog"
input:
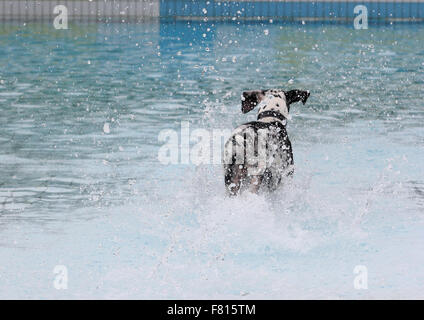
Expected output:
(259, 153)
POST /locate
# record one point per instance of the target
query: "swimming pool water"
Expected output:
(100, 203)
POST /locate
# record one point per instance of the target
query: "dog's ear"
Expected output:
(250, 99)
(293, 96)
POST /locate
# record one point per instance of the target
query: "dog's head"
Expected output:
(283, 99)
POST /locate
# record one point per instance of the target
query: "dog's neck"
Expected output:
(274, 115)
(273, 108)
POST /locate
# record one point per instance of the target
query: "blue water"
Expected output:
(100, 203)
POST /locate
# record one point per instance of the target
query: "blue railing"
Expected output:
(291, 10)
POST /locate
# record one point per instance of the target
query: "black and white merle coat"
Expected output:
(259, 153)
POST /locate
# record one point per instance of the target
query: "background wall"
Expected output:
(122, 10)
(287, 10)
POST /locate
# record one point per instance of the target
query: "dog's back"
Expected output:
(257, 154)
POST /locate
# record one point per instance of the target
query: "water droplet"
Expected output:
(106, 128)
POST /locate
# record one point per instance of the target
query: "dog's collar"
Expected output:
(271, 114)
